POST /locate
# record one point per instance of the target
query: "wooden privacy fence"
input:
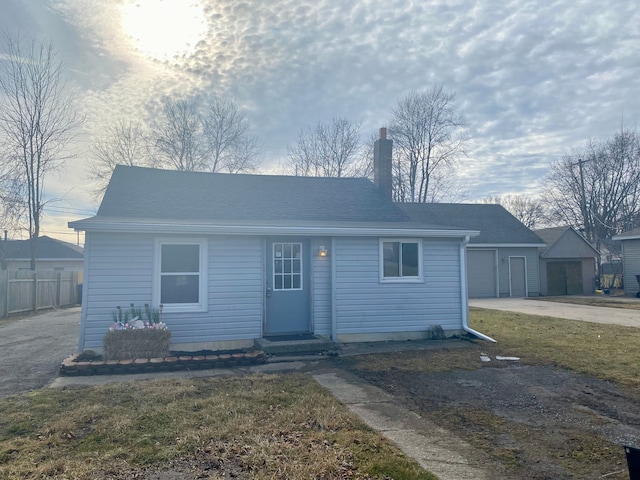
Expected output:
(27, 291)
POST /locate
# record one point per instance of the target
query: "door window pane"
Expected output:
(287, 266)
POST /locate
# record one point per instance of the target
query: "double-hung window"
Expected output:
(400, 260)
(180, 275)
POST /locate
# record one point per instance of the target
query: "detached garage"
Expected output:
(568, 264)
(503, 260)
(482, 273)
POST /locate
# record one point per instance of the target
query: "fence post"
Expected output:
(4, 298)
(58, 289)
(35, 291)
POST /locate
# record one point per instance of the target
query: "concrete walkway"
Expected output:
(435, 449)
(607, 315)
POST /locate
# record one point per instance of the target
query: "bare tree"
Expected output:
(37, 121)
(326, 150)
(429, 136)
(597, 188)
(211, 135)
(123, 143)
(227, 134)
(177, 136)
(530, 211)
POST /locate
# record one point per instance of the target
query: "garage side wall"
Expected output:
(533, 270)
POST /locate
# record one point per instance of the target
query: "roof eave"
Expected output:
(223, 229)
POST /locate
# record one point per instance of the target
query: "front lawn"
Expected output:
(254, 427)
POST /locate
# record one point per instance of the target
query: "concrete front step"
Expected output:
(295, 345)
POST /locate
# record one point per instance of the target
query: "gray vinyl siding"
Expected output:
(533, 269)
(321, 285)
(365, 305)
(120, 272)
(631, 262)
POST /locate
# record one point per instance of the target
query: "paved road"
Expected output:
(613, 316)
(32, 348)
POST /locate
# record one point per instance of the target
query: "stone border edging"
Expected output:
(71, 367)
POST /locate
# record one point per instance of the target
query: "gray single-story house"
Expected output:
(503, 260)
(51, 254)
(568, 263)
(630, 259)
(233, 258)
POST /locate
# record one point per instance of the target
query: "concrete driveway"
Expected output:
(31, 348)
(613, 316)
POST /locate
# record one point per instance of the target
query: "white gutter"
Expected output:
(167, 228)
(464, 294)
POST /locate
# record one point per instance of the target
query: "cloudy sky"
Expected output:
(534, 78)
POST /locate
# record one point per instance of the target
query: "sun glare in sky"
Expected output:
(163, 29)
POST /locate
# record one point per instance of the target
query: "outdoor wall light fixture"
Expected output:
(322, 251)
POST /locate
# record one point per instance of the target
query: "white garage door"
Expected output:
(481, 273)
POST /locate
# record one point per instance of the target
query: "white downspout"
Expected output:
(464, 294)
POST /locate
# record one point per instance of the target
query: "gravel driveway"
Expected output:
(31, 348)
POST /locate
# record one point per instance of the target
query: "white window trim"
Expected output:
(418, 279)
(203, 304)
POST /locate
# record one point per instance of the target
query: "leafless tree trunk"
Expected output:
(529, 210)
(37, 121)
(326, 150)
(429, 136)
(123, 143)
(597, 188)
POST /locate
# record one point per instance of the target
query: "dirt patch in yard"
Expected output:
(533, 421)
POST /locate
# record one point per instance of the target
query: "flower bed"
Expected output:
(80, 364)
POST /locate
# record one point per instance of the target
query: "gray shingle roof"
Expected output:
(48, 249)
(496, 224)
(136, 192)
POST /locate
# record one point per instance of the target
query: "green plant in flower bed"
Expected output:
(131, 338)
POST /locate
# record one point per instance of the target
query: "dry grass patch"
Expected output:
(258, 427)
(605, 351)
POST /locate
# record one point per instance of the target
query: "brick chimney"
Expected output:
(382, 172)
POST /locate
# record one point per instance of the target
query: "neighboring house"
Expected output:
(611, 274)
(568, 264)
(51, 254)
(236, 257)
(631, 260)
(503, 260)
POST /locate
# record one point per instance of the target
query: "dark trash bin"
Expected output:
(633, 462)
